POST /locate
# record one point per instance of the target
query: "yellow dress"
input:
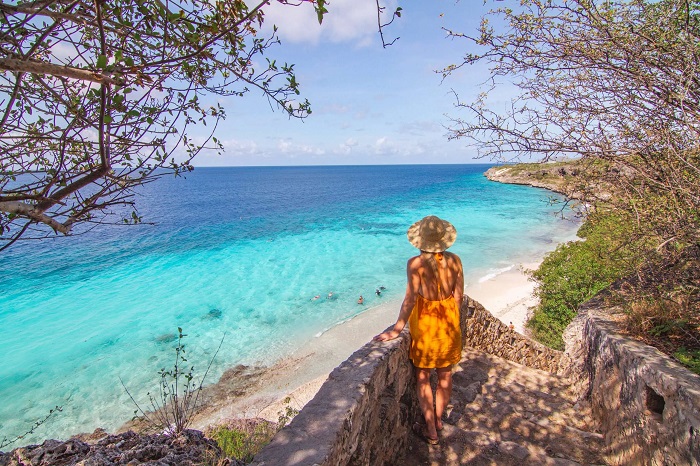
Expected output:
(436, 336)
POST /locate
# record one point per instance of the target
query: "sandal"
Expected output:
(419, 431)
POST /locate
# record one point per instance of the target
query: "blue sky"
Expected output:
(370, 105)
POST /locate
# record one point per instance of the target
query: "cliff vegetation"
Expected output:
(657, 287)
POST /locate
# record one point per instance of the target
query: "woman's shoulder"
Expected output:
(415, 260)
(451, 256)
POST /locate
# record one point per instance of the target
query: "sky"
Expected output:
(370, 105)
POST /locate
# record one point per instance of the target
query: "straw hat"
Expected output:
(432, 234)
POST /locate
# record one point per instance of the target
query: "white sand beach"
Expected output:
(508, 295)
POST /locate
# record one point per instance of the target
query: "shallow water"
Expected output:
(239, 252)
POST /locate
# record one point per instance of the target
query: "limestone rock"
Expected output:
(128, 448)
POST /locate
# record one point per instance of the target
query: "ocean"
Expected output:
(239, 254)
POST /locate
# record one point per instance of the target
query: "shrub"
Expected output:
(173, 408)
(243, 439)
(690, 359)
(577, 270)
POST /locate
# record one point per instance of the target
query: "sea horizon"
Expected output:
(271, 257)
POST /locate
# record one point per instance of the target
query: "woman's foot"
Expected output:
(421, 431)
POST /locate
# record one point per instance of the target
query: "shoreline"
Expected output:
(508, 295)
(256, 392)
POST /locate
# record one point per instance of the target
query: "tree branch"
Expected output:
(42, 68)
(30, 211)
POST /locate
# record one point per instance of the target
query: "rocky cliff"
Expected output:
(560, 177)
(99, 449)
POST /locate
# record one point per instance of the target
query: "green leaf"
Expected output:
(321, 10)
(107, 119)
(102, 62)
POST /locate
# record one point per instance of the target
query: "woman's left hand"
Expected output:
(386, 336)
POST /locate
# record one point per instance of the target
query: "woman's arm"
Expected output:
(409, 300)
(458, 292)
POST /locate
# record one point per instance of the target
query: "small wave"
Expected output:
(496, 273)
(319, 334)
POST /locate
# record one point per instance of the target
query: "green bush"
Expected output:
(690, 359)
(577, 270)
(242, 439)
(242, 442)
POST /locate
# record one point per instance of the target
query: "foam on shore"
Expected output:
(494, 274)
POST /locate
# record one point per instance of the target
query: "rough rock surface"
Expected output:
(648, 405)
(128, 448)
(485, 332)
(553, 178)
(504, 413)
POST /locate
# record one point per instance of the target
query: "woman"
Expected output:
(431, 308)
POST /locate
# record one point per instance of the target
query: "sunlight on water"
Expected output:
(240, 252)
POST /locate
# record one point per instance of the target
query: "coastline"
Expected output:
(292, 382)
(508, 295)
(163, 278)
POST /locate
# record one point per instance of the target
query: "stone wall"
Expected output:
(648, 405)
(486, 333)
(364, 411)
(361, 415)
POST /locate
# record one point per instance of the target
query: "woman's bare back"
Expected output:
(432, 269)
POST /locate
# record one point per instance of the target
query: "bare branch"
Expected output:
(50, 69)
(27, 210)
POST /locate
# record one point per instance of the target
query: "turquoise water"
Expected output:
(240, 252)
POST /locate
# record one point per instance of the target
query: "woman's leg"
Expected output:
(425, 400)
(442, 394)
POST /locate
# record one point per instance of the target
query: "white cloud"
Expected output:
(330, 109)
(287, 146)
(294, 23)
(236, 152)
(67, 53)
(419, 128)
(386, 146)
(236, 147)
(346, 21)
(284, 146)
(346, 147)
